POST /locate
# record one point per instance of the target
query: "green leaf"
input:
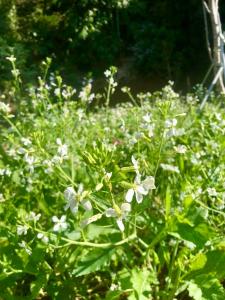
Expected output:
(211, 262)
(93, 261)
(140, 283)
(38, 284)
(194, 291)
(205, 287)
(113, 295)
(168, 202)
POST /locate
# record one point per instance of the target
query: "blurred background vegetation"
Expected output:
(150, 41)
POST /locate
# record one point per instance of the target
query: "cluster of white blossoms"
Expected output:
(148, 125)
(4, 108)
(5, 172)
(212, 192)
(109, 74)
(139, 189)
(171, 128)
(62, 153)
(85, 95)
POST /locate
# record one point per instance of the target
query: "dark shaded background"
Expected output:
(150, 41)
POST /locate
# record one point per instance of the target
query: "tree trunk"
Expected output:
(217, 41)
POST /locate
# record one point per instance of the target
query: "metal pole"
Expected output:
(211, 87)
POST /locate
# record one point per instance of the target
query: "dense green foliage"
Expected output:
(165, 38)
(69, 226)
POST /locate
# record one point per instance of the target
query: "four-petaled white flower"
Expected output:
(120, 213)
(42, 237)
(22, 229)
(75, 198)
(140, 188)
(107, 73)
(60, 224)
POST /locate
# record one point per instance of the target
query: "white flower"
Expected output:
(135, 164)
(42, 237)
(30, 160)
(107, 73)
(49, 166)
(139, 135)
(175, 132)
(170, 168)
(27, 142)
(147, 118)
(74, 198)
(57, 92)
(25, 247)
(22, 229)
(5, 108)
(181, 149)
(171, 123)
(11, 58)
(119, 213)
(140, 189)
(108, 175)
(15, 72)
(33, 217)
(62, 148)
(5, 172)
(60, 224)
(151, 128)
(21, 150)
(212, 192)
(189, 245)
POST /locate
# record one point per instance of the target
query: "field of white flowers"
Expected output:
(100, 202)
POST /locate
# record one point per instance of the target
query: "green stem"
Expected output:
(89, 244)
(157, 238)
(175, 285)
(12, 125)
(160, 150)
(95, 245)
(108, 95)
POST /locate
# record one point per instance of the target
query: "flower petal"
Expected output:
(74, 208)
(110, 212)
(64, 226)
(55, 219)
(120, 224)
(139, 197)
(63, 219)
(140, 190)
(129, 195)
(149, 183)
(86, 205)
(56, 227)
(125, 207)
